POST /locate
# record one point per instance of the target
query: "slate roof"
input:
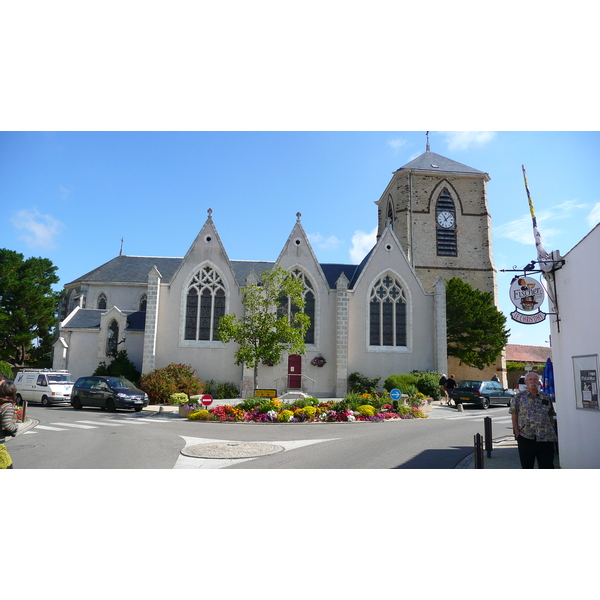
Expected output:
(430, 161)
(89, 318)
(135, 269)
(130, 269)
(532, 354)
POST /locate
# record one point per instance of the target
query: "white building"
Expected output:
(384, 316)
(575, 351)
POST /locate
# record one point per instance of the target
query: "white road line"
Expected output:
(50, 428)
(132, 421)
(100, 423)
(75, 425)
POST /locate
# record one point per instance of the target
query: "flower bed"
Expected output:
(308, 410)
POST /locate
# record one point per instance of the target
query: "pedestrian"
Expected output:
(442, 384)
(450, 385)
(8, 420)
(533, 423)
(495, 378)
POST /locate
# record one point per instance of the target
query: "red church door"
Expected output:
(295, 372)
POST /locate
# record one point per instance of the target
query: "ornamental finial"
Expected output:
(298, 215)
(210, 211)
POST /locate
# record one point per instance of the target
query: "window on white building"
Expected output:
(308, 294)
(387, 313)
(205, 305)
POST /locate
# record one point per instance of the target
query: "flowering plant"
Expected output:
(318, 361)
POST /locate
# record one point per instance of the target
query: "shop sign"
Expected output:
(527, 294)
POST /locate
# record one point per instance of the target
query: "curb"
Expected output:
(23, 427)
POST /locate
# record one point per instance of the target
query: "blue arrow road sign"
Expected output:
(395, 394)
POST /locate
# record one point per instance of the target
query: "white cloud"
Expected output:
(396, 143)
(361, 244)
(521, 230)
(39, 231)
(594, 217)
(316, 239)
(464, 140)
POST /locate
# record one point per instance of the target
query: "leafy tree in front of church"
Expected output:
(28, 307)
(475, 327)
(120, 366)
(266, 328)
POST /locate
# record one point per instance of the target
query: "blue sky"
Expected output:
(72, 196)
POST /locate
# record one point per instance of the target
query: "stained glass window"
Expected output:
(387, 313)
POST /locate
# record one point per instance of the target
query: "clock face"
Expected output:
(445, 219)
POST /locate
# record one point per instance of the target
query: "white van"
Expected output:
(44, 385)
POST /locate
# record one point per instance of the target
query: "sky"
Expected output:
(73, 196)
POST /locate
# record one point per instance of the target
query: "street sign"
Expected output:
(206, 399)
(395, 394)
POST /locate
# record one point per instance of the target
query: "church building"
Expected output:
(384, 316)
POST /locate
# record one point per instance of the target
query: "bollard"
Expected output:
(459, 408)
(478, 451)
(487, 428)
(24, 411)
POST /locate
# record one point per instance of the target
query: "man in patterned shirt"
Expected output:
(532, 416)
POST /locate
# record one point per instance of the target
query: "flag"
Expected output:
(544, 259)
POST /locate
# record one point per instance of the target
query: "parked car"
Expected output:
(108, 393)
(521, 387)
(472, 391)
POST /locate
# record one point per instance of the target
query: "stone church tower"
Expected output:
(439, 211)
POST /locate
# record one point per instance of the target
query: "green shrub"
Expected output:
(302, 402)
(401, 381)
(6, 369)
(120, 366)
(360, 384)
(178, 398)
(429, 384)
(221, 391)
(161, 384)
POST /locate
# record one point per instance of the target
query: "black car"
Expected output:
(473, 391)
(108, 393)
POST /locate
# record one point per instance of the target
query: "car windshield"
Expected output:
(60, 379)
(120, 382)
(469, 385)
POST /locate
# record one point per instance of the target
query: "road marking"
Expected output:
(188, 462)
(100, 423)
(50, 428)
(74, 425)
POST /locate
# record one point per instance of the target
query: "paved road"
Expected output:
(93, 439)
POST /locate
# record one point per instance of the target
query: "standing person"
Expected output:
(495, 378)
(442, 384)
(532, 417)
(450, 385)
(8, 420)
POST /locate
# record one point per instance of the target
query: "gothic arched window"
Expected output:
(445, 223)
(102, 302)
(205, 305)
(143, 303)
(112, 340)
(309, 307)
(387, 313)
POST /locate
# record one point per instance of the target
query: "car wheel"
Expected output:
(485, 403)
(508, 404)
(45, 401)
(19, 400)
(76, 403)
(138, 408)
(110, 405)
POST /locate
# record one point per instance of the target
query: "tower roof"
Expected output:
(435, 163)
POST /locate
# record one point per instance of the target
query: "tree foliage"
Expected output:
(120, 366)
(28, 306)
(265, 330)
(475, 327)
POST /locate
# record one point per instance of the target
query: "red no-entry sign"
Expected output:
(206, 399)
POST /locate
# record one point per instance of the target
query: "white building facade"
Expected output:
(575, 354)
(382, 317)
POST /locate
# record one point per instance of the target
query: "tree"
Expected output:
(273, 320)
(475, 327)
(120, 366)
(28, 306)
